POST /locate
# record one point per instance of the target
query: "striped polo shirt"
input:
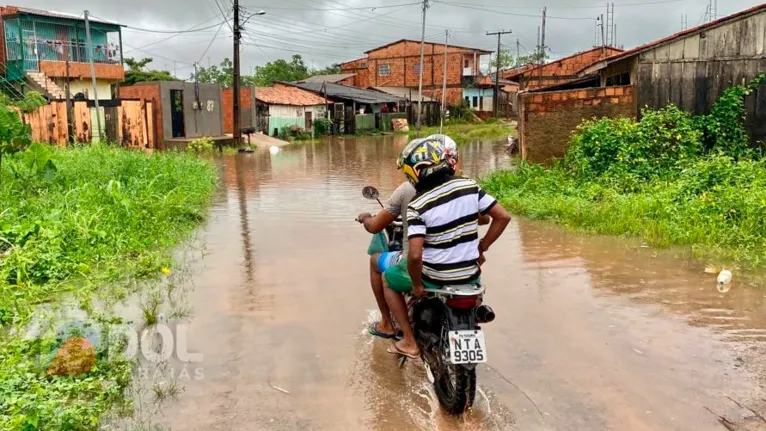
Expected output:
(447, 217)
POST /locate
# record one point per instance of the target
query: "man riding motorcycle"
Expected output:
(442, 231)
(396, 206)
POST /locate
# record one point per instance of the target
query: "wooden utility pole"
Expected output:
(235, 79)
(603, 37)
(518, 53)
(91, 53)
(420, 68)
(496, 100)
(444, 82)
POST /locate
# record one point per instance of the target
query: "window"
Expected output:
(618, 79)
(416, 69)
(466, 63)
(475, 101)
(467, 100)
(384, 70)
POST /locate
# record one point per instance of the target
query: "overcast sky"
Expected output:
(324, 32)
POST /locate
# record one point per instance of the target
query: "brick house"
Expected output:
(560, 71)
(35, 44)
(689, 69)
(397, 64)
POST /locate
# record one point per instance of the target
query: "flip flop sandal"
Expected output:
(375, 333)
(395, 351)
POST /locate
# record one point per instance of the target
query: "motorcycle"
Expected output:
(446, 324)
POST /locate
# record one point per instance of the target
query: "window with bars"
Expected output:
(384, 70)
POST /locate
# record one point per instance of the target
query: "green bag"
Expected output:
(378, 244)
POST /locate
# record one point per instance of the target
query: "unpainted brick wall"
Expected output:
(565, 68)
(548, 119)
(227, 96)
(77, 70)
(402, 60)
(148, 92)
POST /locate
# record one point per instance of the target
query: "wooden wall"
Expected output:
(130, 123)
(692, 72)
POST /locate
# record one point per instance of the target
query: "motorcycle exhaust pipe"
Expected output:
(485, 314)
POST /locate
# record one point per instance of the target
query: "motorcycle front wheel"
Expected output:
(456, 388)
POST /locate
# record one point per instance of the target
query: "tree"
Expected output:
(137, 72)
(281, 70)
(329, 70)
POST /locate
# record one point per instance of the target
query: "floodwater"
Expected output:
(592, 333)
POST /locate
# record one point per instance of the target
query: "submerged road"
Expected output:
(592, 333)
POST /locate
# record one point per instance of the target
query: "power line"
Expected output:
(348, 8)
(176, 35)
(210, 44)
(507, 13)
(171, 31)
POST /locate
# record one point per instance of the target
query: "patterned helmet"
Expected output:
(450, 145)
(421, 158)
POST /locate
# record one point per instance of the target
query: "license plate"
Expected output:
(467, 347)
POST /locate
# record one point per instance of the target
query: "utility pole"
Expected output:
(542, 37)
(420, 67)
(235, 79)
(537, 50)
(91, 52)
(444, 82)
(497, 73)
(518, 52)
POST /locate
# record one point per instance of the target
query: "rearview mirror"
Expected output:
(370, 193)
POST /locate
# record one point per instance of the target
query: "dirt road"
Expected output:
(591, 334)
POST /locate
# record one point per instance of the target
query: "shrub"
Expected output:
(322, 126)
(201, 145)
(295, 132)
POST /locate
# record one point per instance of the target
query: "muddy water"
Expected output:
(591, 334)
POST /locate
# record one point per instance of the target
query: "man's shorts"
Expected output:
(387, 260)
(398, 278)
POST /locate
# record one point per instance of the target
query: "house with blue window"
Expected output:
(43, 51)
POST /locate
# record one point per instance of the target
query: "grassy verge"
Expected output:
(99, 217)
(670, 179)
(466, 132)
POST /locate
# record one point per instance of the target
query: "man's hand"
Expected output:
(482, 259)
(362, 217)
(418, 290)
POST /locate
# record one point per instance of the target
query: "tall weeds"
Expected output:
(671, 179)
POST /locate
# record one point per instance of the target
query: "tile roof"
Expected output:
(330, 78)
(287, 96)
(483, 51)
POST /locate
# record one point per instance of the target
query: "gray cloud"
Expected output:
(347, 28)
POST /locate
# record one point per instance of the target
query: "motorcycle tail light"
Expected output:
(463, 302)
(485, 314)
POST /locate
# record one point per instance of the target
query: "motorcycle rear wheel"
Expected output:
(456, 388)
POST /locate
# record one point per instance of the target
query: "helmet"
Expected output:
(422, 158)
(449, 144)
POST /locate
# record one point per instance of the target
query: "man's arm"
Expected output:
(415, 264)
(484, 219)
(500, 220)
(376, 224)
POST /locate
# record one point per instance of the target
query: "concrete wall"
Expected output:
(85, 86)
(484, 98)
(548, 119)
(206, 121)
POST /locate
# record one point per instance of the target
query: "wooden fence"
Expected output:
(127, 122)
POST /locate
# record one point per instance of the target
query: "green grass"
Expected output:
(107, 218)
(467, 132)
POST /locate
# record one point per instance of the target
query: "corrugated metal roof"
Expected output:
(337, 91)
(329, 78)
(404, 92)
(62, 15)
